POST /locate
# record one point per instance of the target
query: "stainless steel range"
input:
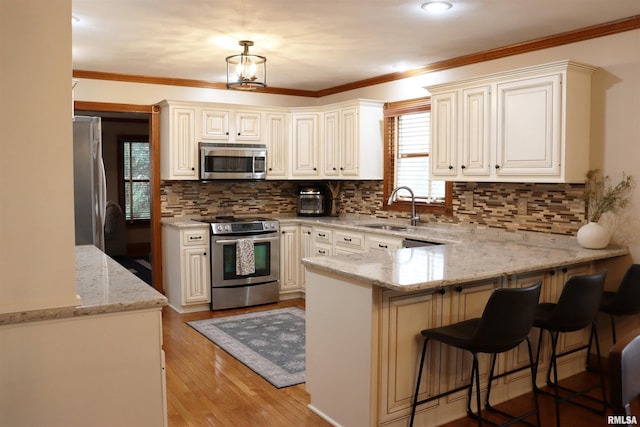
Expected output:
(245, 261)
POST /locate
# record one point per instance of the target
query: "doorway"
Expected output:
(137, 246)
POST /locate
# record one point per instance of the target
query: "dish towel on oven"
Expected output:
(245, 257)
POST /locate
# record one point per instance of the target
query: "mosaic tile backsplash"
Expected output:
(549, 208)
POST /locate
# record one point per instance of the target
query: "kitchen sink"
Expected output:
(388, 227)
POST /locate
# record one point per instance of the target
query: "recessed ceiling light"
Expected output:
(436, 6)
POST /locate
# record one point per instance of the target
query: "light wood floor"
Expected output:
(207, 387)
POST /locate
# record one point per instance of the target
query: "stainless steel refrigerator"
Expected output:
(90, 186)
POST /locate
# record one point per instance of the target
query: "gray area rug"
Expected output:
(271, 343)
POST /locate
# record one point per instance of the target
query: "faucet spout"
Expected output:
(414, 217)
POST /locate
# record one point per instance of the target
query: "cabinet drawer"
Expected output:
(381, 243)
(323, 235)
(350, 240)
(195, 237)
(322, 250)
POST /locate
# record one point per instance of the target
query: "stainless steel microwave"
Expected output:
(232, 161)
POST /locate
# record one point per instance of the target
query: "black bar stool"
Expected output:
(576, 309)
(505, 323)
(626, 300)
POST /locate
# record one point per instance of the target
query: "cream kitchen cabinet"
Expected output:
(348, 242)
(526, 125)
(277, 141)
(230, 125)
(322, 241)
(305, 135)
(290, 256)
(352, 132)
(178, 143)
(379, 242)
(306, 249)
(186, 267)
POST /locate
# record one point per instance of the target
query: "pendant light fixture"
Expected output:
(246, 71)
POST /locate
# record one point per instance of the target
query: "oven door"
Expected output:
(266, 249)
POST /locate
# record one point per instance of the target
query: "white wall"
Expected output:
(37, 266)
(615, 128)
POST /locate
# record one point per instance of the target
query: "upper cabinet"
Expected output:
(178, 142)
(230, 125)
(526, 125)
(337, 141)
(352, 144)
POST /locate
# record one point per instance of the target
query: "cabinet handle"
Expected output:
(450, 167)
(564, 270)
(463, 167)
(552, 273)
(347, 239)
(458, 288)
(320, 251)
(442, 291)
(497, 166)
(382, 246)
(322, 235)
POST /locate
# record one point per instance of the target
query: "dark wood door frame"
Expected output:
(154, 139)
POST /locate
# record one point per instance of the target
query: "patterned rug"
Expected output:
(271, 343)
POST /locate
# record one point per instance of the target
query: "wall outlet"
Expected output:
(522, 206)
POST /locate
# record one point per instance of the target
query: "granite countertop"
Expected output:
(467, 253)
(103, 285)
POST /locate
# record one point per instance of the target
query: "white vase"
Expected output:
(593, 236)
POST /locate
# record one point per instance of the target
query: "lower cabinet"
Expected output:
(185, 263)
(290, 257)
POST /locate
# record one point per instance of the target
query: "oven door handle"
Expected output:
(255, 240)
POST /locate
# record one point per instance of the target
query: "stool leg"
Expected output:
(415, 396)
(475, 370)
(594, 333)
(613, 328)
(553, 363)
(534, 369)
(493, 365)
(538, 358)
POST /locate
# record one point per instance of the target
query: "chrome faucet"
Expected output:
(414, 217)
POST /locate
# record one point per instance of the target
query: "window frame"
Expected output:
(391, 111)
(122, 139)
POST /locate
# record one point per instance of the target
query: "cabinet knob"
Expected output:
(315, 169)
(226, 133)
(270, 169)
(205, 254)
(552, 273)
(458, 288)
(497, 166)
(334, 168)
(239, 134)
(450, 167)
(193, 169)
(463, 167)
(564, 270)
(442, 291)
(341, 169)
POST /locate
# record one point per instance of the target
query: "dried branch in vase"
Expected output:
(601, 196)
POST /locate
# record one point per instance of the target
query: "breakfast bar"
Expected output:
(365, 312)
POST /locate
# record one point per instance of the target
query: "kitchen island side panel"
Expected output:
(340, 361)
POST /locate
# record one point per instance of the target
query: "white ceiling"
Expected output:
(312, 45)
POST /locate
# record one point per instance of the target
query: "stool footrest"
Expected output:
(578, 393)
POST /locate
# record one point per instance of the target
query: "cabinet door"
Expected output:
(289, 258)
(184, 152)
(331, 143)
(444, 138)
(276, 140)
(349, 142)
(195, 285)
(247, 126)
(403, 316)
(476, 132)
(529, 126)
(306, 234)
(305, 145)
(215, 124)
